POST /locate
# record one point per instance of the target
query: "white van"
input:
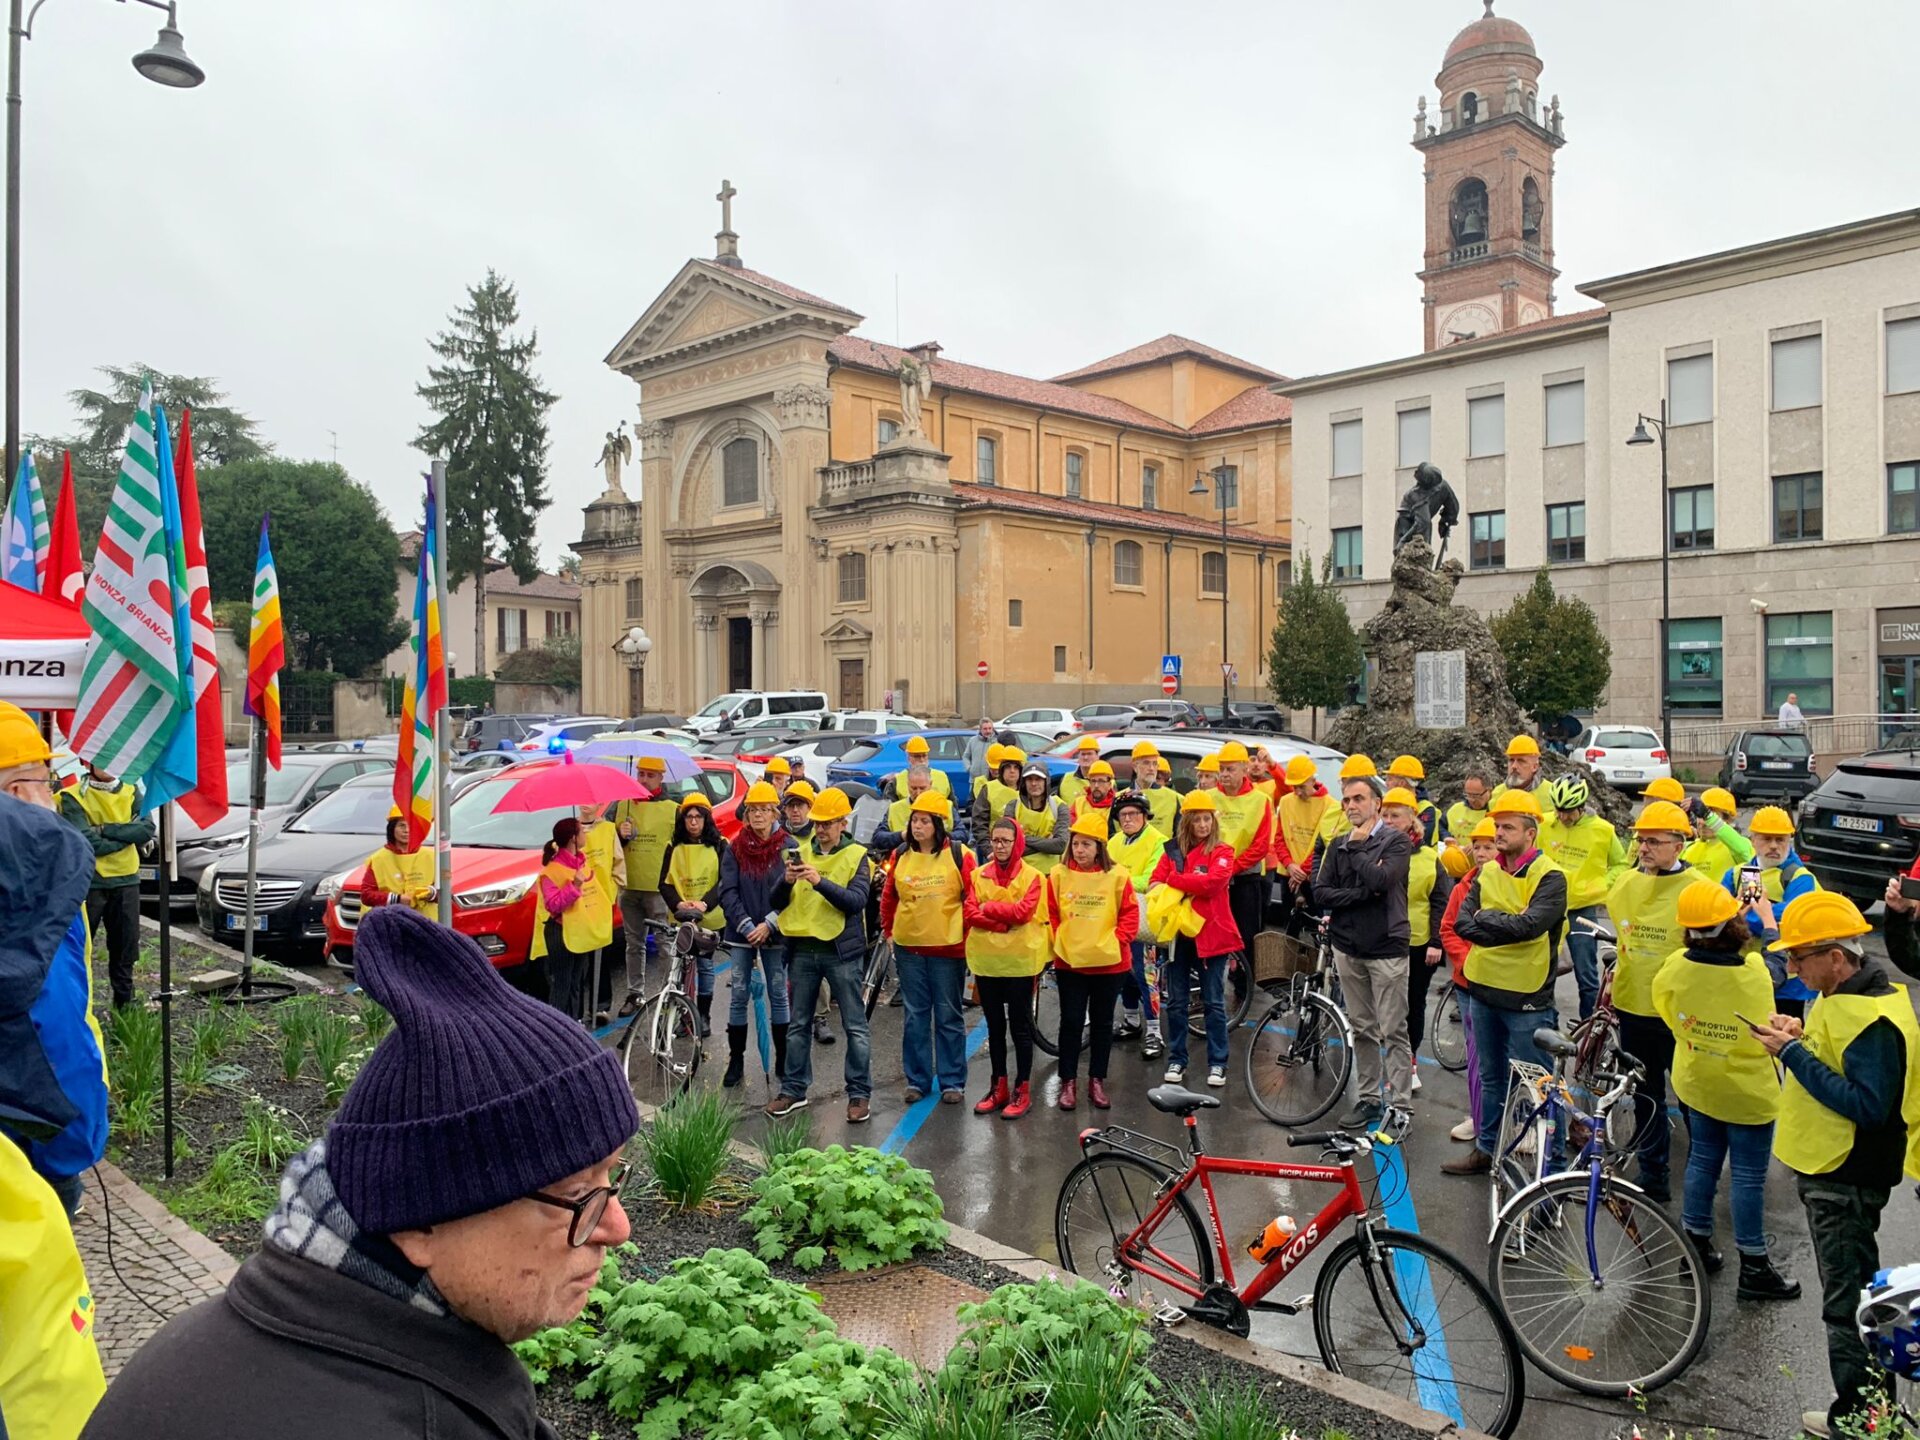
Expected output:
(746, 708)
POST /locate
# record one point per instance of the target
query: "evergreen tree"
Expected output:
(1315, 652)
(492, 432)
(1557, 659)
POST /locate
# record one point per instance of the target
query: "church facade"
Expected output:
(818, 510)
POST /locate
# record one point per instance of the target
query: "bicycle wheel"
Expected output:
(662, 1050)
(1630, 1322)
(1447, 1029)
(1299, 1059)
(1046, 1014)
(1517, 1165)
(1239, 996)
(1403, 1315)
(1104, 1199)
(879, 963)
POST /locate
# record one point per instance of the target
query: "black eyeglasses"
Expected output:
(588, 1210)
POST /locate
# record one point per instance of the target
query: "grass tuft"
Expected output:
(686, 1146)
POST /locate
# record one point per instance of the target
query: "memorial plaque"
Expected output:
(1440, 689)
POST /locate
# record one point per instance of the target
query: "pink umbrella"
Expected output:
(570, 784)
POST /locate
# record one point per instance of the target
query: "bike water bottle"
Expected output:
(1272, 1240)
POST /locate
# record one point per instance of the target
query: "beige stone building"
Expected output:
(807, 517)
(519, 616)
(1788, 375)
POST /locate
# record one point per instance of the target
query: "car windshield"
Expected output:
(350, 810)
(283, 785)
(1626, 739)
(475, 822)
(716, 708)
(1775, 746)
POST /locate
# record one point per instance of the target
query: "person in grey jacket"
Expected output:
(443, 1216)
(977, 748)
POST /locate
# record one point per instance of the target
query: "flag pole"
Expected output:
(256, 798)
(442, 741)
(166, 989)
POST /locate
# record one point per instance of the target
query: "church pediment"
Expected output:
(846, 631)
(709, 304)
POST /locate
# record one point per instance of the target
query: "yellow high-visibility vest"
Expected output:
(927, 899)
(1241, 816)
(1163, 808)
(1422, 869)
(1522, 966)
(1719, 1069)
(1462, 819)
(411, 877)
(1038, 825)
(1810, 1138)
(1084, 806)
(1589, 851)
(694, 869)
(110, 807)
(50, 1376)
(652, 822)
(1022, 950)
(1089, 904)
(1300, 818)
(587, 924)
(1646, 916)
(809, 914)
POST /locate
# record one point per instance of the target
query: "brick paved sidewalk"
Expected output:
(164, 1260)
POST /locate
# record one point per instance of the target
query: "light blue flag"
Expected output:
(177, 770)
(28, 535)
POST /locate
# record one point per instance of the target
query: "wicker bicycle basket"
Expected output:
(1278, 956)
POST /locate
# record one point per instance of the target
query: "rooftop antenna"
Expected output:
(336, 445)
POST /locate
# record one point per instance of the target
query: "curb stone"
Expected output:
(266, 968)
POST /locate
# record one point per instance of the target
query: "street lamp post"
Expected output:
(634, 647)
(1641, 437)
(164, 62)
(1221, 475)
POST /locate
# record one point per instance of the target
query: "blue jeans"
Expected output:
(1213, 992)
(1499, 1036)
(934, 1037)
(1584, 947)
(813, 967)
(1136, 992)
(1750, 1148)
(773, 964)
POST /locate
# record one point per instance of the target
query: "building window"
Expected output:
(1488, 548)
(1487, 426)
(1693, 667)
(1416, 437)
(1213, 573)
(889, 430)
(1691, 520)
(1126, 562)
(510, 630)
(853, 578)
(1800, 662)
(1567, 533)
(636, 600)
(1076, 472)
(986, 460)
(1346, 554)
(1015, 615)
(1567, 413)
(1796, 507)
(1690, 390)
(1149, 487)
(740, 465)
(1903, 498)
(1796, 373)
(1346, 448)
(559, 622)
(1059, 659)
(1903, 356)
(1226, 486)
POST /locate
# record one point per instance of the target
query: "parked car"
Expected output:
(740, 708)
(878, 756)
(492, 732)
(760, 743)
(304, 777)
(810, 754)
(476, 762)
(553, 736)
(1245, 715)
(1172, 715)
(1106, 716)
(653, 720)
(871, 722)
(1623, 756)
(1861, 825)
(1046, 718)
(1182, 750)
(1774, 764)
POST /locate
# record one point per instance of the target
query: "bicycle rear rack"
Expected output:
(1142, 1147)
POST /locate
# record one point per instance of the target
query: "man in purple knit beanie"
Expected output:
(462, 1199)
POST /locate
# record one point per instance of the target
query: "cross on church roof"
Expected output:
(726, 243)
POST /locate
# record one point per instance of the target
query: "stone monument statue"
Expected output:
(1421, 130)
(1553, 116)
(617, 451)
(916, 384)
(1428, 498)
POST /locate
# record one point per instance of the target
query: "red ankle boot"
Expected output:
(1097, 1092)
(995, 1098)
(1021, 1103)
(1070, 1095)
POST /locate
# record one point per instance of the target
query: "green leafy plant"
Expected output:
(861, 1206)
(1020, 1322)
(1236, 1413)
(332, 1043)
(1096, 1390)
(1557, 657)
(212, 1032)
(686, 1146)
(295, 1019)
(1314, 651)
(374, 1018)
(832, 1387)
(232, 1192)
(951, 1406)
(786, 1137)
(192, 1070)
(133, 1043)
(266, 1137)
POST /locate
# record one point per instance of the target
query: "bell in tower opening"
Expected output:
(1530, 209)
(1469, 213)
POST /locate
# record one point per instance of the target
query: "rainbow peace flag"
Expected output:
(266, 648)
(426, 693)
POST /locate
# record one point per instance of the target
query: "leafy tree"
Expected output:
(1557, 659)
(554, 662)
(1315, 652)
(336, 554)
(492, 432)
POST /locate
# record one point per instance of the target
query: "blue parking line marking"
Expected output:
(1433, 1368)
(909, 1124)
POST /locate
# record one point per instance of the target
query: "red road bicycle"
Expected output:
(1390, 1308)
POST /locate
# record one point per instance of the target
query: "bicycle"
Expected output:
(873, 979)
(1046, 1014)
(1301, 1055)
(1596, 1038)
(1605, 1293)
(664, 1065)
(1447, 1029)
(1239, 986)
(1390, 1308)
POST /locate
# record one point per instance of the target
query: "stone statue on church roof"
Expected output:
(916, 384)
(617, 451)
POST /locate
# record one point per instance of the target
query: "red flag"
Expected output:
(65, 579)
(207, 801)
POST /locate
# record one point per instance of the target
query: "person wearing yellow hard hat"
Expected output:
(1765, 886)
(1297, 821)
(1137, 847)
(1009, 942)
(1334, 823)
(1718, 845)
(891, 832)
(1665, 787)
(101, 808)
(1849, 1125)
(1726, 1082)
(1512, 917)
(750, 868)
(1481, 847)
(822, 903)
(1074, 784)
(1523, 766)
(1246, 823)
(1644, 905)
(922, 910)
(919, 763)
(1428, 888)
(999, 790)
(1043, 819)
(1407, 770)
(1199, 866)
(1150, 780)
(1095, 918)
(690, 884)
(1206, 773)
(1097, 799)
(644, 825)
(778, 773)
(400, 872)
(1466, 813)
(1587, 848)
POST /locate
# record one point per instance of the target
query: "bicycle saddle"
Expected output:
(1553, 1042)
(1178, 1100)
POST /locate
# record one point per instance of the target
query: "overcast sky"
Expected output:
(1047, 183)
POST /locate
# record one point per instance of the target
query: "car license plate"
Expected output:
(1629, 775)
(1857, 822)
(239, 922)
(148, 872)
(1776, 765)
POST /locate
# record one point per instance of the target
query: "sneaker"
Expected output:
(783, 1105)
(1416, 1080)
(1217, 1076)
(914, 1095)
(1466, 1130)
(823, 1032)
(951, 1097)
(859, 1111)
(1153, 1047)
(1176, 1072)
(1363, 1116)
(1474, 1162)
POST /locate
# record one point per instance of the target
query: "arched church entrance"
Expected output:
(736, 607)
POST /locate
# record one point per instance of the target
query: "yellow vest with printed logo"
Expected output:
(1719, 1069)
(1586, 851)
(1810, 1138)
(652, 822)
(1038, 825)
(411, 877)
(927, 910)
(1461, 820)
(1241, 816)
(110, 807)
(1300, 819)
(694, 869)
(1522, 966)
(809, 914)
(1089, 902)
(1022, 950)
(1422, 869)
(587, 924)
(1646, 916)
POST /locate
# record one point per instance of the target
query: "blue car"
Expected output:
(871, 761)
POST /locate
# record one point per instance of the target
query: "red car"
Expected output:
(496, 857)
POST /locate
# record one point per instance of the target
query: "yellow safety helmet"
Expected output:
(1516, 802)
(1816, 916)
(1408, 767)
(1087, 742)
(1720, 800)
(799, 790)
(1523, 745)
(996, 753)
(931, 802)
(21, 742)
(1198, 800)
(763, 793)
(1358, 767)
(1400, 795)
(697, 798)
(1208, 764)
(1092, 824)
(1484, 830)
(1665, 788)
(1662, 815)
(394, 812)
(1100, 767)
(1706, 906)
(830, 804)
(779, 765)
(1146, 750)
(1233, 753)
(650, 762)
(1771, 820)
(917, 745)
(1300, 769)
(1455, 861)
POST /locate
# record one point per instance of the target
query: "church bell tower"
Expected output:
(1489, 178)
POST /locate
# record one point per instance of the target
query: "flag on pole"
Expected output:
(266, 648)
(177, 772)
(65, 578)
(426, 693)
(23, 559)
(133, 688)
(207, 801)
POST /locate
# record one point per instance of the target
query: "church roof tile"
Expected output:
(1166, 347)
(1250, 408)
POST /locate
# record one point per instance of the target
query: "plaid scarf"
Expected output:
(310, 1222)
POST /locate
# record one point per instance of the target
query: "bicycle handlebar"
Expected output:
(1319, 1137)
(1596, 929)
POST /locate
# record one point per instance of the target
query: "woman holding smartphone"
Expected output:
(1094, 917)
(750, 868)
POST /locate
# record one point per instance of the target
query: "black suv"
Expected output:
(1246, 715)
(1862, 826)
(1775, 764)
